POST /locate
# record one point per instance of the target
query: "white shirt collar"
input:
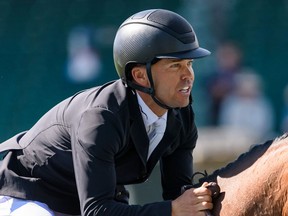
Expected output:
(149, 117)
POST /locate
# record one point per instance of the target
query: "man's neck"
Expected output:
(159, 111)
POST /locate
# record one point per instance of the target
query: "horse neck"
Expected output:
(256, 183)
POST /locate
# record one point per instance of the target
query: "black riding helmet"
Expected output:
(149, 35)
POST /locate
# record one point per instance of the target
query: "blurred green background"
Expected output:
(34, 49)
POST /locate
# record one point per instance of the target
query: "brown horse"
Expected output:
(256, 183)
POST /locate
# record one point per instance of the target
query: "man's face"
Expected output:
(173, 81)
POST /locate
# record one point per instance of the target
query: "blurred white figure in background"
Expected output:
(247, 108)
(246, 118)
(83, 60)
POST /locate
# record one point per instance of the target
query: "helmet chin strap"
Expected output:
(151, 90)
(149, 73)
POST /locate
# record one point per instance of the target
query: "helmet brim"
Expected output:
(190, 54)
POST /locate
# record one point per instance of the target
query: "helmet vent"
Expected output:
(171, 21)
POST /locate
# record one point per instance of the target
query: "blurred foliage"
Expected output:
(33, 54)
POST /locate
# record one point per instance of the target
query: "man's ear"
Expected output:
(139, 76)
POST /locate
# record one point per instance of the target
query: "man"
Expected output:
(77, 158)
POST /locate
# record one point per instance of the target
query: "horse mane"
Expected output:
(244, 161)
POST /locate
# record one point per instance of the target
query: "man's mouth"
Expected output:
(185, 89)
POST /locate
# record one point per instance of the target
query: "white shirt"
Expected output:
(149, 118)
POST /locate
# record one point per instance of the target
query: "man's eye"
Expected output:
(174, 65)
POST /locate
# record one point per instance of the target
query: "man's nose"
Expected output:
(188, 74)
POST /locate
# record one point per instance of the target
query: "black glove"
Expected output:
(121, 194)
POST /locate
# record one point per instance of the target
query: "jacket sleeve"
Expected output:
(96, 140)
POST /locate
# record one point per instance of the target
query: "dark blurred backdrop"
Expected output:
(34, 54)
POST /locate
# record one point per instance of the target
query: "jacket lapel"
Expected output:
(137, 129)
(139, 136)
(170, 136)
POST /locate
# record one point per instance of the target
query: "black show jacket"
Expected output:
(73, 158)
